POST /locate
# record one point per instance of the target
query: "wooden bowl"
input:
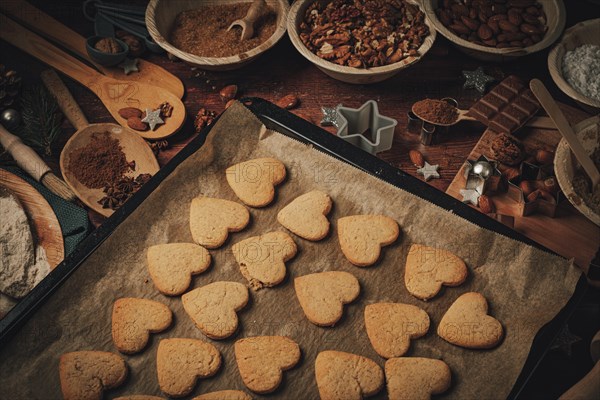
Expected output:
(565, 164)
(586, 32)
(350, 74)
(556, 19)
(161, 14)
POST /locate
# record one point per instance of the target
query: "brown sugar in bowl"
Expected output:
(161, 15)
(350, 74)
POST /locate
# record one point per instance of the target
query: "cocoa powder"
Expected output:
(100, 162)
(435, 111)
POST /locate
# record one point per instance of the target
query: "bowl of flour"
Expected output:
(574, 64)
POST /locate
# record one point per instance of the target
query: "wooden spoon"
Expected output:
(115, 94)
(546, 100)
(535, 122)
(36, 19)
(247, 23)
(135, 148)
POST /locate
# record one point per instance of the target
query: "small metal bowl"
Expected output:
(106, 59)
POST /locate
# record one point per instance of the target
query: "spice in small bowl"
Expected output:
(106, 51)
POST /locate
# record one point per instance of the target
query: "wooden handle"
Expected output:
(25, 13)
(255, 11)
(40, 48)
(563, 126)
(65, 100)
(25, 156)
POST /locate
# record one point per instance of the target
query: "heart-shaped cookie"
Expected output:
(391, 327)
(416, 378)
(180, 362)
(347, 376)
(306, 215)
(262, 258)
(254, 181)
(134, 319)
(211, 220)
(467, 324)
(261, 361)
(172, 265)
(213, 307)
(362, 236)
(224, 395)
(322, 295)
(86, 374)
(428, 268)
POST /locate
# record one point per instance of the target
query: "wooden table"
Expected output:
(283, 71)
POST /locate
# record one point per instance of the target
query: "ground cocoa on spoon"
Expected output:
(100, 162)
(435, 111)
(203, 31)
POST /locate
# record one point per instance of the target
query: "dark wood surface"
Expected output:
(283, 71)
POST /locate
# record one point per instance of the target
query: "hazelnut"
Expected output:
(527, 187)
(544, 157)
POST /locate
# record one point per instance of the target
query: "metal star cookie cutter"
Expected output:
(482, 175)
(353, 123)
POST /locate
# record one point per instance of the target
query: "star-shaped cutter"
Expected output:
(130, 65)
(429, 171)
(475, 181)
(354, 122)
(477, 80)
(153, 118)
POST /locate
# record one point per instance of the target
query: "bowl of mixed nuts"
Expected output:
(362, 41)
(498, 30)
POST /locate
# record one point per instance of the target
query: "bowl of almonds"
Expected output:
(363, 41)
(498, 30)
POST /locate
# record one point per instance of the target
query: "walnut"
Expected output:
(108, 45)
(136, 46)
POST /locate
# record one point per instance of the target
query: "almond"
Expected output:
(486, 205)
(533, 196)
(417, 158)
(136, 124)
(288, 102)
(129, 112)
(228, 92)
(229, 103)
(510, 173)
(527, 187)
(544, 157)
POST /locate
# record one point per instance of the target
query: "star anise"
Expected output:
(122, 190)
(203, 119)
(158, 146)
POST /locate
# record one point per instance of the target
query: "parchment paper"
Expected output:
(525, 287)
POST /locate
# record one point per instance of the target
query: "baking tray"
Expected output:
(287, 123)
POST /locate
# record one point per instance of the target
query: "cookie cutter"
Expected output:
(483, 175)
(354, 123)
(429, 133)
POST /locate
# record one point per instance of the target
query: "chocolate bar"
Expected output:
(507, 107)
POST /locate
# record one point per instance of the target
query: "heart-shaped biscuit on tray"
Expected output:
(261, 361)
(213, 307)
(467, 324)
(212, 219)
(347, 376)
(362, 236)
(134, 319)
(306, 215)
(416, 378)
(86, 374)
(172, 265)
(262, 258)
(391, 327)
(254, 181)
(181, 362)
(224, 395)
(428, 268)
(322, 295)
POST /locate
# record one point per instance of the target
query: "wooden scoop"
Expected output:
(115, 94)
(535, 122)
(135, 148)
(36, 19)
(546, 100)
(247, 23)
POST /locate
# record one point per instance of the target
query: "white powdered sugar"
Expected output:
(581, 69)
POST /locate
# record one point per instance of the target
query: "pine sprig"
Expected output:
(41, 118)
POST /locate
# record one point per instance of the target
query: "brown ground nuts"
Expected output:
(494, 23)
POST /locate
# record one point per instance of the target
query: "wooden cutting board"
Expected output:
(43, 221)
(569, 233)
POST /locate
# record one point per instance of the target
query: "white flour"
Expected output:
(581, 69)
